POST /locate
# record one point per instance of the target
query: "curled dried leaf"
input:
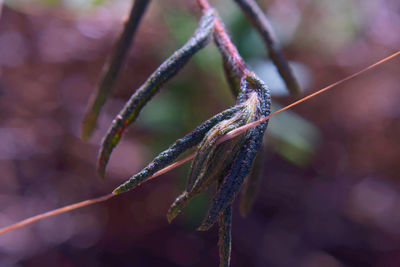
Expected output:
(242, 163)
(162, 74)
(211, 160)
(176, 149)
(112, 68)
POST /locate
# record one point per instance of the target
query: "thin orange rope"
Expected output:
(228, 136)
(55, 212)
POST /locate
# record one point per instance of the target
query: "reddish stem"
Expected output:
(223, 35)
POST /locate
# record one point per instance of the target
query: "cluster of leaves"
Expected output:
(228, 164)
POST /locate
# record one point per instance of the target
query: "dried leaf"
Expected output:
(224, 237)
(250, 187)
(164, 72)
(176, 149)
(260, 21)
(243, 162)
(112, 68)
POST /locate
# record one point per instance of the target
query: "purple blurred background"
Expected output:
(330, 188)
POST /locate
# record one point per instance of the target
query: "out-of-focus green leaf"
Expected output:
(182, 25)
(293, 137)
(167, 112)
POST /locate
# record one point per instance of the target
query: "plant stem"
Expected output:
(227, 48)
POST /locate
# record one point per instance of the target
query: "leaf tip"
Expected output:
(172, 215)
(101, 170)
(88, 125)
(203, 228)
(244, 208)
(177, 207)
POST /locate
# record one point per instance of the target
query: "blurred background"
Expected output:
(330, 191)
